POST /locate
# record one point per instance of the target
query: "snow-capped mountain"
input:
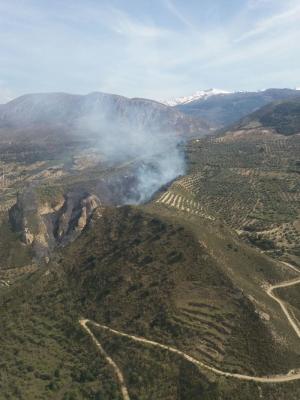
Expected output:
(199, 95)
(224, 110)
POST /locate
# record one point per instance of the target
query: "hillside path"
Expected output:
(293, 375)
(109, 360)
(293, 282)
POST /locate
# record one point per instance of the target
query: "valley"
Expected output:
(191, 289)
(149, 200)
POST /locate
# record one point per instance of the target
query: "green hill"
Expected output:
(283, 117)
(148, 272)
(188, 270)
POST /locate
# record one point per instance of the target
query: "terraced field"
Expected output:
(211, 327)
(182, 202)
(251, 182)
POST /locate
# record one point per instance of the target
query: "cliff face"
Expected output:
(73, 216)
(45, 226)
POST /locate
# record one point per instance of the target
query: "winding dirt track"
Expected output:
(109, 360)
(291, 376)
(293, 324)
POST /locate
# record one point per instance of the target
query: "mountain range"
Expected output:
(135, 267)
(50, 115)
(55, 116)
(221, 110)
(199, 95)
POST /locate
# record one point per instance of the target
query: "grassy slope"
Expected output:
(143, 270)
(44, 354)
(147, 274)
(283, 117)
(12, 253)
(158, 374)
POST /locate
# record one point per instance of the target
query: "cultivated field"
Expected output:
(252, 183)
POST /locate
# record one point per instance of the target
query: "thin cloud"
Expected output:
(120, 22)
(170, 5)
(274, 22)
(154, 51)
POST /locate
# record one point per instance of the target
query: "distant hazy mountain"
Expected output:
(283, 117)
(225, 109)
(199, 95)
(51, 114)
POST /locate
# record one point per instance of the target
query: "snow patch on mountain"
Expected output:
(199, 95)
(5, 96)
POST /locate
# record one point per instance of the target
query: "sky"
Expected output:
(156, 49)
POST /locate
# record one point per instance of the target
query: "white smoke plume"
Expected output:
(155, 153)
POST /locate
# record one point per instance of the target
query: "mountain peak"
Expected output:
(198, 95)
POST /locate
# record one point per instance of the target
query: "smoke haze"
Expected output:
(138, 132)
(154, 153)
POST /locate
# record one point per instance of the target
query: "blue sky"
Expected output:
(155, 48)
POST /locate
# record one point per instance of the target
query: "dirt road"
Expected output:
(109, 360)
(291, 376)
(293, 323)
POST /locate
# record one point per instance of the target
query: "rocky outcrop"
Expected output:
(88, 206)
(74, 215)
(23, 216)
(44, 226)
